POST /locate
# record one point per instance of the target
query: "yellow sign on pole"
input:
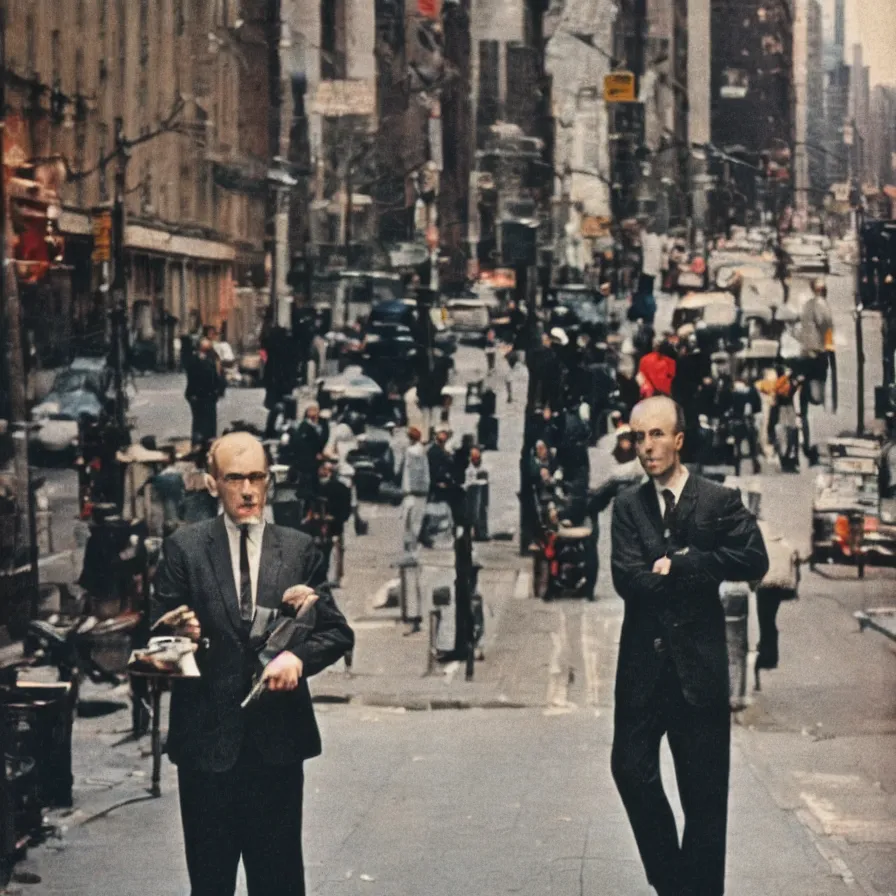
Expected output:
(102, 236)
(619, 87)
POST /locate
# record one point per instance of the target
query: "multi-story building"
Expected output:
(578, 57)
(664, 91)
(882, 136)
(752, 108)
(836, 101)
(512, 119)
(809, 106)
(815, 120)
(332, 67)
(699, 57)
(184, 83)
(857, 130)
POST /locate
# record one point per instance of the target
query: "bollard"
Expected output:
(435, 620)
(735, 599)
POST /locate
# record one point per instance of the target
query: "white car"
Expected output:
(807, 257)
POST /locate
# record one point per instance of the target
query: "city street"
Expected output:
(520, 800)
(583, 203)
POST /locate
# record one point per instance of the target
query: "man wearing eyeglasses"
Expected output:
(226, 583)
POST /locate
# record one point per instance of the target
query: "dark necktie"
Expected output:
(245, 576)
(669, 499)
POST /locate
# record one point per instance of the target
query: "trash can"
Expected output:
(40, 718)
(735, 599)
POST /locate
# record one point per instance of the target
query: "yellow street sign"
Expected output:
(619, 87)
(102, 236)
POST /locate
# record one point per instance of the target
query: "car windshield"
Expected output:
(386, 289)
(581, 304)
(68, 381)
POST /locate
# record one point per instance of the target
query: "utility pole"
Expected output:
(279, 181)
(119, 272)
(860, 336)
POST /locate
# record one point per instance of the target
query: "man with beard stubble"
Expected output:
(675, 539)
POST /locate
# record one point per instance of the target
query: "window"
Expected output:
(332, 40)
(103, 135)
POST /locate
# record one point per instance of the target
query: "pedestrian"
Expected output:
(240, 771)
(784, 415)
(656, 370)
(477, 487)
(817, 341)
(205, 386)
(279, 377)
(335, 498)
(674, 540)
(306, 444)
(746, 406)
(643, 305)
(415, 486)
(781, 582)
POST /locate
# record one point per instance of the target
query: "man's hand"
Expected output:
(283, 672)
(662, 566)
(299, 597)
(182, 622)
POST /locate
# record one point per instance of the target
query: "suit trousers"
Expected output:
(253, 811)
(699, 740)
(205, 419)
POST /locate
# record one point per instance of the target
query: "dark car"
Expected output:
(78, 390)
(586, 310)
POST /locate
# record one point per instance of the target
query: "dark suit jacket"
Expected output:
(207, 725)
(713, 539)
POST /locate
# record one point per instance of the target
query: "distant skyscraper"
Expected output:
(840, 25)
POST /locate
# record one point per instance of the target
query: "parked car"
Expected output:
(77, 390)
(469, 319)
(807, 257)
(586, 307)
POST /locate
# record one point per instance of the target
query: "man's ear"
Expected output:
(211, 484)
(679, 441)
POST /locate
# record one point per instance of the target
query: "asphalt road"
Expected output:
(521, 802)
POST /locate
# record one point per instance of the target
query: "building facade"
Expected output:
(170, 78)
(809, 109)
(752, 110)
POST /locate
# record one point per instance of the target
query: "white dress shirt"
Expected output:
(253, 546)
(652, 255)
(676, 487)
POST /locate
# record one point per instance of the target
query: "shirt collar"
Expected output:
(676, 486)
(234, 528)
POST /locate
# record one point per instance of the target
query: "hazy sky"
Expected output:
(873, 24)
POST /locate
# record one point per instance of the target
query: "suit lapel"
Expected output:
(651, 506)
(269, 568)
(688, 500)
(218, 549)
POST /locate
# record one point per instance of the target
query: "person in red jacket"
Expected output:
(657, 370)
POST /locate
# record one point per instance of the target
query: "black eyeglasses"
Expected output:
(239, 478)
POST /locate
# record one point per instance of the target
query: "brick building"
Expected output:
(189, 79)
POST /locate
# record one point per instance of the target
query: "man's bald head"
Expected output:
(235, 444)
(661, 404)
